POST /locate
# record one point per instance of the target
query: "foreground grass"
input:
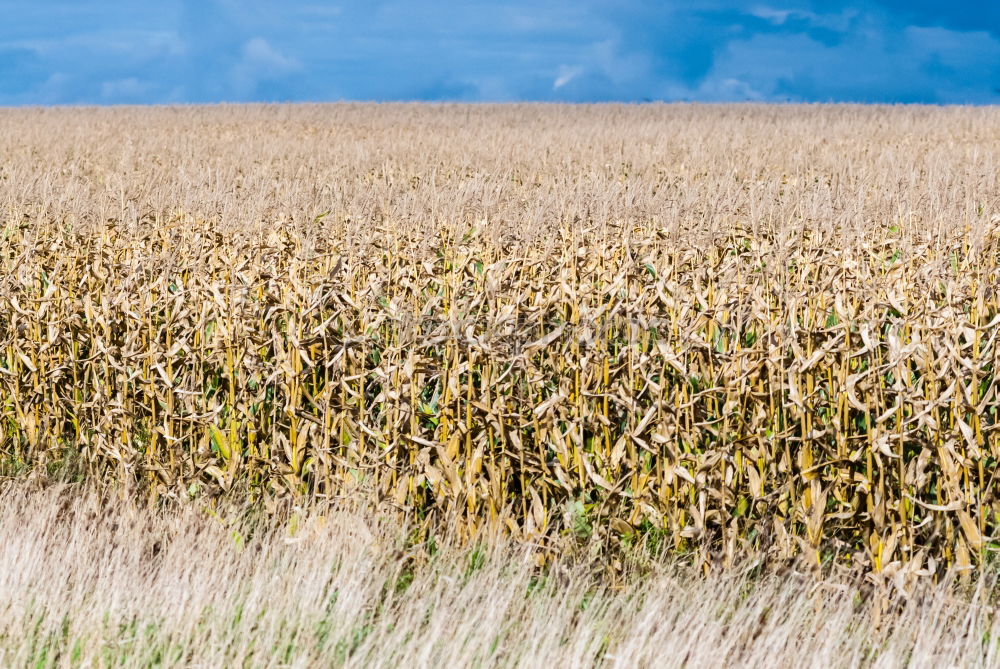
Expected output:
(91, 583)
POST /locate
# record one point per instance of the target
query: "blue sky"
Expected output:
(127, 51)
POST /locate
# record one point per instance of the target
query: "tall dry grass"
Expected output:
(736, 330)
(86, 582)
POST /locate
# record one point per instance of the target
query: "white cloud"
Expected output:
(267, 60)
(124, 90)
(143, 43)
(779, 17)
(798, 67)
(730, 89)
(259, 61)
(775, 16)
(566, 75)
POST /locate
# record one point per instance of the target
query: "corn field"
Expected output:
(735, 330)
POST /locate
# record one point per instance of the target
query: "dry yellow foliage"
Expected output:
(741, 328)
